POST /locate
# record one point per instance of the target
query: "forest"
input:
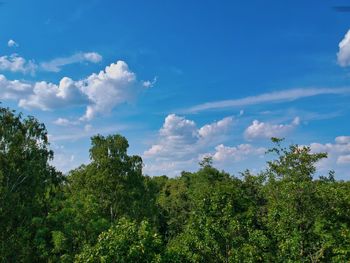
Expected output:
(109, 211)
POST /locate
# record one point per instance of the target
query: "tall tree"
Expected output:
(27, 184)
(292, 203)
(98, 194)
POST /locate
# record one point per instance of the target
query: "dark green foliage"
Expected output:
(27, 187)
(108, 211)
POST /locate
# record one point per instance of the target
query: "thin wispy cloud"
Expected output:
(18, 64)
(271, 97)
(56, 64)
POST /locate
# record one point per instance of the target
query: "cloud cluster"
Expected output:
(267, 130)
(99, 92)
(181, 144)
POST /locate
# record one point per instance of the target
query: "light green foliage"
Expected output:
(292, 203)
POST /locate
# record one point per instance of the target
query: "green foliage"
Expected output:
(292, 203)
(126, 241)
(27, 185)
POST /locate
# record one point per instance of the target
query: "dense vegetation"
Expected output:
(108, 211)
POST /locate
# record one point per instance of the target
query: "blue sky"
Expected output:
(181, 79)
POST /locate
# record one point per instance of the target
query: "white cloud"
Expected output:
(338, 156)
(343, 159)
(179, 129)
(99, 92)
(215, 129)
(169, 168)
(15, 63)
(56, 64)
(267, 130)
(343, 54)
(47, 96)
(175, 139)
(181, 143)
(12, 43)
(113, 86)
(66, 159)
(273, 97)
(149, 84)
(342, 139)
(77, 132)
(13, 89)
(225, 153)
(65, 122)
(92, 57)
(180, 138)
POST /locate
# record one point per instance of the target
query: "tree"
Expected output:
(292, 203)
(99, 194)
(27, 186)
(223, 224)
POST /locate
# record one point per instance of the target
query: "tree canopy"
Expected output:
(109, 211)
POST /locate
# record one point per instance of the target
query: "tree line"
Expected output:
(108, 211)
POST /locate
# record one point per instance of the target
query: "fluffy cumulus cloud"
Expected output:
(99, 92)
(113, 86)
(56, 64)
(47, 96)
(175, 139)
(15, 63)
(267, 130)
(12, 43)
(343, 54)
(215, 129)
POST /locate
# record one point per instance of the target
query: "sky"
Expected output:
(182, 80)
